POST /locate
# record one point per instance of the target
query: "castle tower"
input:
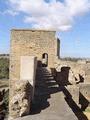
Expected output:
(39, 43)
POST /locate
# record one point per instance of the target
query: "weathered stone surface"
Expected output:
(71, 78)
(76, 73)
(22, 91)
(31, 43)
(84, 96)
(28, 70)
(74, 93)
(85, 91)
(26, 43)
(87, 72)
(21, 99)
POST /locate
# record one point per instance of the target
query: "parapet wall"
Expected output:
(80, 70)
(22, 90)
(76, 77)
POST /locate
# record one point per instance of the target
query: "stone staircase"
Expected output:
(45, 86)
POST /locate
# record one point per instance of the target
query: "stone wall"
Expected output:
(88, 72)
(77, 71)
(85, 91)
(26, 43)
(22, 90)
(75, 77)
(20, 100)
(31, 43)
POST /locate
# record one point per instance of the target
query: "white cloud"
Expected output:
(78, 7)
(50, 15)
(10, 12)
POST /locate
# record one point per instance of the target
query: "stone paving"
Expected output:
(58, 110)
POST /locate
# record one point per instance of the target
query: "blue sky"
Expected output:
(71, 22)
(76, 42)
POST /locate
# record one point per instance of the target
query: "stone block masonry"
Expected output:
(22, 91)
(28, 70)
(25, 44)
(31, 43)
(20, 100)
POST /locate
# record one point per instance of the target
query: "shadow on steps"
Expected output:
(45, 86)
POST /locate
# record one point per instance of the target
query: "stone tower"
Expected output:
(26, 45)
(39, 43)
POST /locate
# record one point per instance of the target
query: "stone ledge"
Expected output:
(33, 30)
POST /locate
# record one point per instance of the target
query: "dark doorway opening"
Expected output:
(44, 60)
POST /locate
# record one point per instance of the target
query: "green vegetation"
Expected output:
(4, 82)
(87, 109)
(4, 68)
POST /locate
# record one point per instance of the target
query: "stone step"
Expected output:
(44, 77)
(45, 80)
(46, 86)
(43, 91)
(44, 72)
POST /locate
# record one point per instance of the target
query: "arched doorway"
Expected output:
(44, 60)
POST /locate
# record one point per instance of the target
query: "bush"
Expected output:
(71, 59)
(4, 68)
